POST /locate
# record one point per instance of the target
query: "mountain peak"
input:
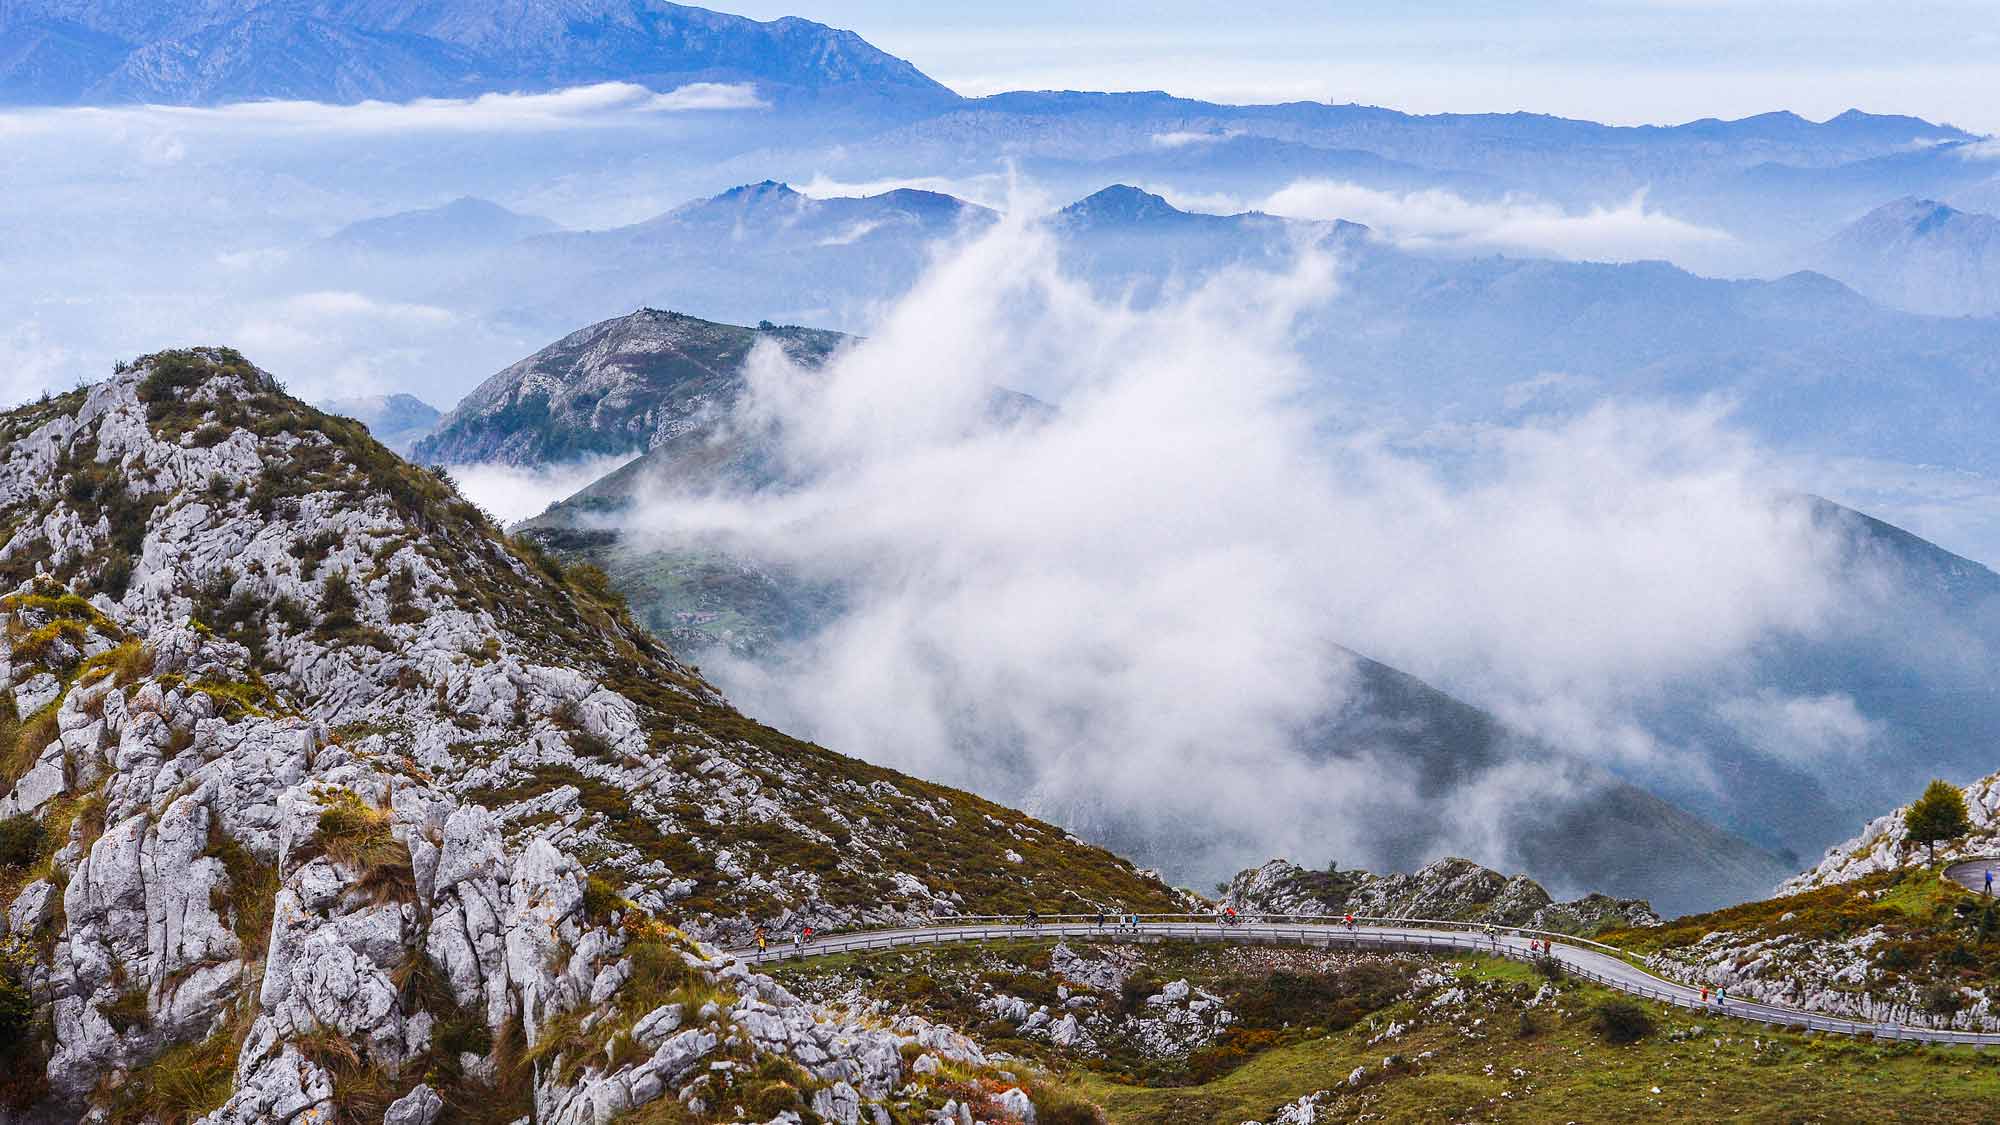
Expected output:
(617, 387)
(763, 189)
(1121, 203)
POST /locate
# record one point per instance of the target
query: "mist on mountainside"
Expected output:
(1126, 611)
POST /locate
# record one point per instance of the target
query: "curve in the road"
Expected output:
(1579, 957)
(1971, 873)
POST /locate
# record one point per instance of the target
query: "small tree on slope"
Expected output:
(1937, 815)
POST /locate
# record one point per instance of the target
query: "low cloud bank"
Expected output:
(512, 493)
(1439, 219)
(605, 103)
(1132, 611)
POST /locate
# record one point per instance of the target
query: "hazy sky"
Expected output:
(1625, 61)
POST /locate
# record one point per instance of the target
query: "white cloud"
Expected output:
(342, 304)
(512, 492)
(1807, 729)
(604, 104)
(854, 233)
(1439, 219)
(709, 96)
(1131, 608)
(30, 363)
(1182, 138)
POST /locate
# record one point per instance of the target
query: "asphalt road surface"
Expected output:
(1586, 960)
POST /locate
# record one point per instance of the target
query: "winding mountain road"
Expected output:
(1971, 873)
(1580, 957)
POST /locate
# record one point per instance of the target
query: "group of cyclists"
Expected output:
(801, 938)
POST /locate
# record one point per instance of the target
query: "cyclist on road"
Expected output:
(760, 941)
(1034, 918)
(798, 943)
(1100, 919)
(1350, 921)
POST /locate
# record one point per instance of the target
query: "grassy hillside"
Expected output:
(1407, 1039)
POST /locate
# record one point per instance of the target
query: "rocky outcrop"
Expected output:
(1448, 889)
(1842, 977)
(319, 793)
(618, 386)
(1884, 844)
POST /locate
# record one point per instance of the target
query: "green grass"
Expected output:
(1572, 1074)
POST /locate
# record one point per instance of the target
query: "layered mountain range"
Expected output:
(1415, 339)
(66, 51)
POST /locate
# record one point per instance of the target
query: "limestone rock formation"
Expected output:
(317, 793)
(1883, 844)
(619, 386)
(1450, 889)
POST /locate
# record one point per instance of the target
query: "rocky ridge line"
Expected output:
(321, 799)
(1448, 889)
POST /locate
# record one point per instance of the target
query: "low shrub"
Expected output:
(1621, 1021)
(185, 1083)
(21, 841)
(358, 837)
(127, 1011)
(1061, 1107)
(1528, 1027)
(601, 899)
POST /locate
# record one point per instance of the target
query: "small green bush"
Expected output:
(1060, 1107)
(601, 899)
(17, 1016)
(21, 841)
(1621, 1021)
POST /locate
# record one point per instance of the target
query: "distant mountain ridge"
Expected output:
(1921, 255)
(207, 51)
(760, 250)
(464, 223)
(398, 421)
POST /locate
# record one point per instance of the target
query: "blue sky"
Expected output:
(1624, 61)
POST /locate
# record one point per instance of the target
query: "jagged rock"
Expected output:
(838, 1103)
(33, 908)
(327, 749)
(1065, 1032)
(420, 1106)
(36, 692)
(1452, 889)
(1015, 1103)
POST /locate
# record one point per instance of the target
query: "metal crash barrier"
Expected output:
(1576, 954)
